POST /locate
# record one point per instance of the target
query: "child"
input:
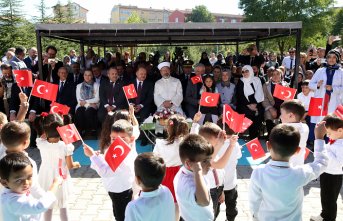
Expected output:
(191, 191)
(222, 153)
(168, 149)
(210, 114)
(3, 121)
(118, 184)
(52, 151)
(331, 179)
(16, 173)
(276, 188)
(292, 113)
(306, 94)
(155, 201)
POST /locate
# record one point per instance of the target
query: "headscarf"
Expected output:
(248, 89)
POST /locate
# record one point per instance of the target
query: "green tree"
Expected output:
(134, 18)
(313, 14)
(200, 14)
(59, 16)
(70, 13)
(337, 28)
(42, 9)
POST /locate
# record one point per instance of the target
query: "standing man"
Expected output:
(76, 75)
(32, 60)
(289, 64)
(17, 62)
(168, 90)
(51, 65)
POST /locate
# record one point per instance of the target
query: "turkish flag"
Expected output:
(316, 107)
(227, 114)
(57, 108)
(61, 171)
(23, 78)
(45, 90)
(236, 122)
(69, 133)
(284, 93)
(255, 148)
(245, 125)
(196, 79)
(339, 111)
(307, 152)
(209, 99)
(130, 91)
(116, 153)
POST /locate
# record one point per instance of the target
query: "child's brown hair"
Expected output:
(15, 133)
(333, 122)
(295, 107)
(177, 127)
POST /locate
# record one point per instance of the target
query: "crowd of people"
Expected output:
(196, 165)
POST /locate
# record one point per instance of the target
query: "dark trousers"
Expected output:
(86, 119)
(231, 203)
(215, 194)
(330, 186)
(119, 203)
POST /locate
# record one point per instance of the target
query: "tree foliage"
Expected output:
(42, 9)
(135, 18)
(200, 14)
(337, 28)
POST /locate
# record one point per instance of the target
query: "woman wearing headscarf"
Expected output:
(87, 95)
(249, 94)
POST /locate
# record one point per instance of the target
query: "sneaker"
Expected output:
(316, 218)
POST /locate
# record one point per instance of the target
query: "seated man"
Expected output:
(168, 90)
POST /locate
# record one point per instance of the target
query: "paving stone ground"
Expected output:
(90, 201)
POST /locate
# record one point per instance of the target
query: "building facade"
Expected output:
(79, 12)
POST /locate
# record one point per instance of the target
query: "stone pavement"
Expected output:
(90, 201)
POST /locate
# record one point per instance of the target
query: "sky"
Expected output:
(100, 10)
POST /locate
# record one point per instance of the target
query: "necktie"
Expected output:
(291, 66)
(216, 179)
(62, 86)
(251, 61)
(139, 90)
(331, 141)
(110, 98)
(75, 79)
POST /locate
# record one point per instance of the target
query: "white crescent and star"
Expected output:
(39, 89)
(71, 133)
(121, 148)
(206, 99)
(129, 91)
(252, 147)
(289, 94)
(227, 115)
(53, 109)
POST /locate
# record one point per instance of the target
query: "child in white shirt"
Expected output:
(155, 201)
(118, 184)
(192, 193)
(18, 204)
(276, 188)
(331, 179)
(305, 95)
(292, 113)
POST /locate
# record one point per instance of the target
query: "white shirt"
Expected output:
(184, 185)
(169, 153)
(286, 62)
(120, 180)
(276, 189)
(298, 158)
(305, 99)
(168, 89)
(211, 181)
(152, 206)
(20, 207)
(335, 154)
(230, 179)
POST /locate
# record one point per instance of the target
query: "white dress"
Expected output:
(50, 154)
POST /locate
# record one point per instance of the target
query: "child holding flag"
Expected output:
(276, 188)
(56, 161)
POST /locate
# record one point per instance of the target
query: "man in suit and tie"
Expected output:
(252, 58)
(17, 62)
(32, 60)
(51, 65)
(111, 94)
(98, 77)
(76, 75)
(66, 90)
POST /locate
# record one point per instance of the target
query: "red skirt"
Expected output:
(169, 179)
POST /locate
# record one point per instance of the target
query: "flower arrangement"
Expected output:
(163, 115)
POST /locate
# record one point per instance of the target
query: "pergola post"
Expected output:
(40, 57)
(237, 48)
(82, 50)
(258, 44)
(297, 58)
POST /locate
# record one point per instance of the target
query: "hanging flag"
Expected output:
(284, 93)
(255, 148)
(209, 99)
(227, 114)
(23, 78)
(245, 125)
(116, 153)
(339, 111)
(316, 107)
(69, 133)
(45, 90)
(236, 122)
(307, 152)
(130, 91)
(57, 108)
(196, 79)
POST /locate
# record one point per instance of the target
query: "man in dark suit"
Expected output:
(51, 65)
(76, 77)
(98, 77)
(123, 76)
(66, 90)
(32, 60)
(111, 95)
(253, 58)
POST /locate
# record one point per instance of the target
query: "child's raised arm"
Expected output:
(23, 108)
(221, 163)
(201, 193)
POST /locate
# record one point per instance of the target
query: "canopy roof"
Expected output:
(167, 33)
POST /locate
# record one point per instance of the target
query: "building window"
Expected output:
(233, 20)
(222, 20)
(176, 20)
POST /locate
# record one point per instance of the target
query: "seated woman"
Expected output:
(209, 114)
(226, 89)
(249, 94)
(87, 95)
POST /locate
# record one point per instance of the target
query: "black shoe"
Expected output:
(144, 142)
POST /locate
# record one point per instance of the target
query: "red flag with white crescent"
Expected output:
(45, 90)
(23, 78)
(116, 153)
(255, 148)
(245, 125)
(69, 133)
(316, 107)
(284, 93)
(57, 108)
(209, 99)
(130, 91)
(196, 79)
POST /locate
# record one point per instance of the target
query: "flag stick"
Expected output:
(79, 135)
(28, 100)
(224, 117)
(21, 90)
(128, 103)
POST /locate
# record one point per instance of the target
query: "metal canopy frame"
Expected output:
(113, 35)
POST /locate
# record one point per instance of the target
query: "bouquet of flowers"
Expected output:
(163, 115)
